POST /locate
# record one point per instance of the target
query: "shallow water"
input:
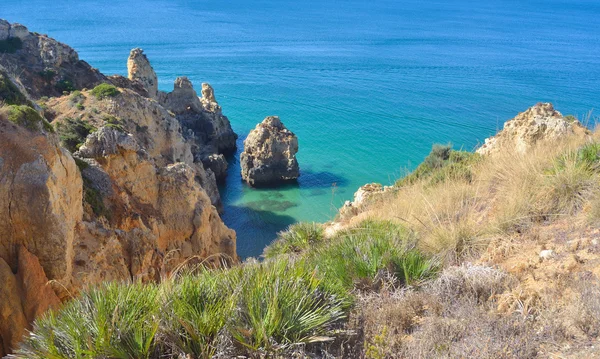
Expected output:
(368, 87)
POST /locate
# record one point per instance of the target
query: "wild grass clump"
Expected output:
(27, 117)
(297, 238)
(105, 90)
(443, 163)
(283, 303)
(111, 321)
(200, 306)
(363, 256)
(73, 132)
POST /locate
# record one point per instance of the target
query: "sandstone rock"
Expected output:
(108, 141)
(40, 199)
(139, 68)
(36, 293)
(4, 31)
(208, 94)
(18, 30)
(539, 123)
(12, 319)
(217, 164)
(183, 98)
(269, 155)
(365, 194)
(45, 66)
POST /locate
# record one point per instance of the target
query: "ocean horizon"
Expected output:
(368, 87)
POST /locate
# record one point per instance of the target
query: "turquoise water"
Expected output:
(366, 86)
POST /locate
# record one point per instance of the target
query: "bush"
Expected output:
(364, 255)
(65, 86)
(283, 303)
(10, 93)
(27, 117)
(298, 237)
(441, 164)
(10, 45)
(73, 132)
(111, 321)
(199, 307)
(105, 90)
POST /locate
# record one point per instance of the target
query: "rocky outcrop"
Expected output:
(204, 126)
(365, 195)
(139, 69)
(45, 67)
(269, 155)
(133, 200)
(539, 123)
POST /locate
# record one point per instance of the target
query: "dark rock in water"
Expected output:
(269, 156)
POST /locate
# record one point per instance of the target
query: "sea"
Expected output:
(367, 86)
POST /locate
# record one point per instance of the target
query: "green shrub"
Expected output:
(441, 164)
(10, 45)
(27, 117)
(105, 90)
(115, 123)
(283, 303)
(93, 197)
(73, 132)
(112, 321)
(65, 86)
(10, 93)
(360, 256)
(298, 237)
(47, 74)
(200, 305)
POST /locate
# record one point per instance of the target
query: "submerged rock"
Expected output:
(269, 155)
(539, 123)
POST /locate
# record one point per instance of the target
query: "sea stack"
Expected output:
(139, 68)
(269, 156)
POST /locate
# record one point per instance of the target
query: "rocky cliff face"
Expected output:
(269, 155)
(139, 69)
(112, 190)
(538, 123)
(204, 125)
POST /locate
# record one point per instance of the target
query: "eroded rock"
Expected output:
(539, 123)
(139, 68)
(269, 155)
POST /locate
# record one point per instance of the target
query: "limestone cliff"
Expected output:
(538, 123)
(269, 155)
(205, 127)
(111, 190)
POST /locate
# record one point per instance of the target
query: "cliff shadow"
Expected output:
(256, 228)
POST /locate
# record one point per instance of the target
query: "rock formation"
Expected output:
(139, 68)
(539, 123)
(130, 200)
(204, 125)
(269, 155)
(365, 195)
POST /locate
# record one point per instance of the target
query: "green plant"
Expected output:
(10, 93)
(115, 123)
(10, 45)
(47, 74)
(93, 197)
(73, 132)
(298, 237)
(64, 86)
(200, 305)
(80, 107)
(27, 117)
(441, 164)
(360, 256)
(111, 321)
(283, 303)
(105, 90)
